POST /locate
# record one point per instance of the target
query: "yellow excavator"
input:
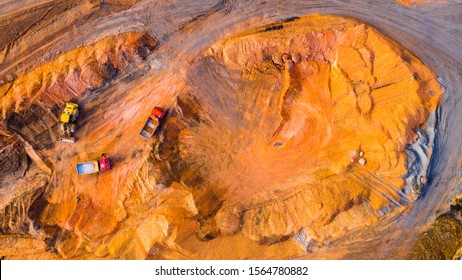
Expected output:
(68, 126)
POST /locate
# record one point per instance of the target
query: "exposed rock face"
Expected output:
(37, 125)
(13, 157)
(72, 74)
(30, 105)
(21, 183)
(31, 102)
(22, 247)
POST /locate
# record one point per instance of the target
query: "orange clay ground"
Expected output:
(303, 126)
(278, 138)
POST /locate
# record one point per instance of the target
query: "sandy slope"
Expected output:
(113, 119)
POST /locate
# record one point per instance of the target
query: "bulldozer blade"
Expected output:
(67, 139)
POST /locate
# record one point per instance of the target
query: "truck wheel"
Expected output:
(77, 113)
(73, 128)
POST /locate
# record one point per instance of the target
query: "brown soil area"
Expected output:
(280, 139)
(29, 29)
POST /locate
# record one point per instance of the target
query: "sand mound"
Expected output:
(298, 126)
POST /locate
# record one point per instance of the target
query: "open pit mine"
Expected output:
(230, 129)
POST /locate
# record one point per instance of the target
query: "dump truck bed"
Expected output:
(88, 167)
(149, 127)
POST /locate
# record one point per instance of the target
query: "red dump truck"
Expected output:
(89, 167)
(152, 123)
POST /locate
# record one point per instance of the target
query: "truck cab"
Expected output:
(104, 163)
(158, 113)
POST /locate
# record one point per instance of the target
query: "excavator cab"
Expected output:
(70, 114)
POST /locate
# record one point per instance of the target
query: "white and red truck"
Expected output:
(89, 167)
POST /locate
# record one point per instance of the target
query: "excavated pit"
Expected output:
(311, 136)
